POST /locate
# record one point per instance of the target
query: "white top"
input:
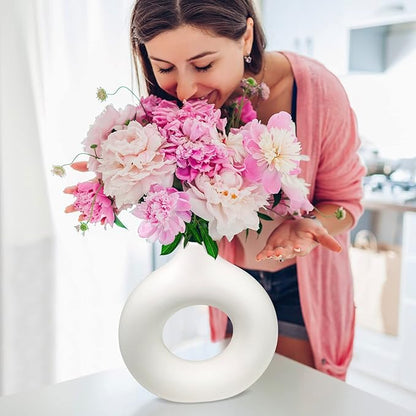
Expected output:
(286, 388)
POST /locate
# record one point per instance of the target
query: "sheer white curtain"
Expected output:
(61, 293)
(27, 240)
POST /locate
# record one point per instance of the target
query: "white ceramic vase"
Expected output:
(192, 277)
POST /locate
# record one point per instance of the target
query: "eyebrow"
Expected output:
(200, 55)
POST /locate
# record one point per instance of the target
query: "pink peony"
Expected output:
(195, 146)
(164, 113)
(165, 212)
(132, 161)
(194, 158)
(171, 119)
(247, 112)
(273, 151)
(294, 200)
(146, 108)
(93, 204)
(297, 190)
(110, 119)
(202, 111)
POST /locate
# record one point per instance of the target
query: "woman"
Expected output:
(202, 49)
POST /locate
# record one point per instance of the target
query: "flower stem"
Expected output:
(79, 154)
(128, 89)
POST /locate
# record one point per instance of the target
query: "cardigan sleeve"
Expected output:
(340, 171)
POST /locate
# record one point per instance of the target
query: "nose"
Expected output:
(185, 87)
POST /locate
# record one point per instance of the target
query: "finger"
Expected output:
(300, 251)
(69, 209)
(70, 189)
(270, 252)
(329, 242)
(82, 217)
(264, 254)
(80, 166)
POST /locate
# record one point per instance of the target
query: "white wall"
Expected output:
(384, 102)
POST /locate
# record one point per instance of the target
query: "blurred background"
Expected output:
(61, 294)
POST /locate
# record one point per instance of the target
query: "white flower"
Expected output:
(340, 213)
(280, 149)
(132, 161)
(227, 203)
(234, 141)
(58, 170)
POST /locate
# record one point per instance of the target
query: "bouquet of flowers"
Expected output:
(191, 172)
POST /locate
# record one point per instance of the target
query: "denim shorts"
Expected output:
(282, 287)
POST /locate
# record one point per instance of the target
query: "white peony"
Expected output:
(229, 205)
(132, 161)
(234, 141)
(281, 150)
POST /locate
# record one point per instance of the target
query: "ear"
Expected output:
(248, 36)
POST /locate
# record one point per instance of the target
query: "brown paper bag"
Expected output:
(376, 273)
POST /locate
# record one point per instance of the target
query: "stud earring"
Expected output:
(247, 59)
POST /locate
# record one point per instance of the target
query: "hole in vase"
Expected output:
(187, 334)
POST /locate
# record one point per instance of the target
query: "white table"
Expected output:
(286, 388)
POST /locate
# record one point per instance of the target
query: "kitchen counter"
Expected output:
(286, 388)
(382, 203)
(399, 201)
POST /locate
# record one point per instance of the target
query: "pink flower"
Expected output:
(195, 146)
(202, 111)
(264, 91)
(170, 118)
(132, 161)
(273, 151)
(146, 108)
(164, 113)
(247, 112)
(294, 199)
(164, 211)
(194, 158)
(110, 119)
(93, 204)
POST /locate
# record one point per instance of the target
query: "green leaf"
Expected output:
(177, 184)
(168, 248)
(119, 223)
(264, 216)
(260, 228)
(277, 198)
(210, 245)
(192, 231)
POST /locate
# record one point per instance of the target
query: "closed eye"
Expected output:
(203, 68)
(165, 70)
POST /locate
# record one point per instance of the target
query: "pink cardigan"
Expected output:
(326, 127)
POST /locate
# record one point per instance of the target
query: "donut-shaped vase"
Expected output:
(192, 277)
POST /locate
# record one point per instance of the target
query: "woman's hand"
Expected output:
(297, 237)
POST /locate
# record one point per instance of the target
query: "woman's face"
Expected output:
(191, 63)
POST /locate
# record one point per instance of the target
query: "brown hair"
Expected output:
(227, 18)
